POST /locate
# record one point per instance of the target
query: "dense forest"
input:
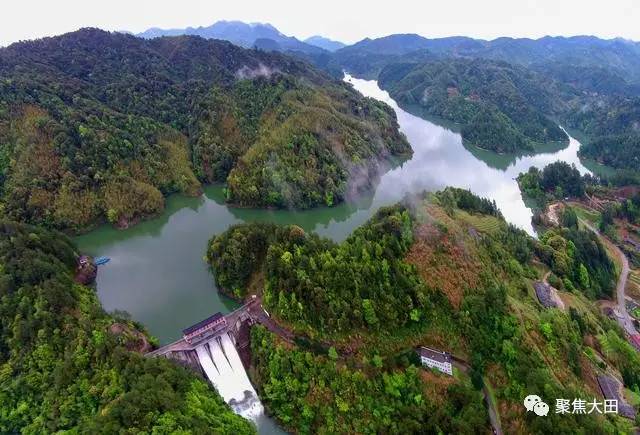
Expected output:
(500, 107)
(312, 393)
(97, 125)
(381, 290)
(618, 151)
(614, 63)
(459, 279)
(579, 262)
(556, 181)
(510, 93)
(66, 365)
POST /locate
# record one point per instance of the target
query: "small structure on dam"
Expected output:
(211, 348)
(204, 327)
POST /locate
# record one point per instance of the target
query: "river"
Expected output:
(157, 272)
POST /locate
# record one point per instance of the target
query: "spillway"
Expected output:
(222, 365)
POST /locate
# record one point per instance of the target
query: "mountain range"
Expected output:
(326, 43)
(247, 35)
(618, 57)
(595, 81)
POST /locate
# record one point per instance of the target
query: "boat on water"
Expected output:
(101, 260)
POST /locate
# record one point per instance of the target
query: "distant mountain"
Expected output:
(242, 34)
(392, 44)
(326, 43)
(618, 57)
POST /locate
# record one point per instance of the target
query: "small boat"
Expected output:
(101, 260)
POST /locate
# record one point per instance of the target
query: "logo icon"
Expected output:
(534, 403)
(541, 409)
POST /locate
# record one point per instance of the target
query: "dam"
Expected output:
(211, 348)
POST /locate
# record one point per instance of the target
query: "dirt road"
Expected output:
(624, 319)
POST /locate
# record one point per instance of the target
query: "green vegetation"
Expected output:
(611, 121)
(580, 260)
(501, 107)
(98, 126)
(314, 283)
(239, 252)
(630, 209)
(620, 151)
(556, 181)
(66, 365)
(453, 198)
(315, 394)
(421, 273)
(584, 62)
(588, 84)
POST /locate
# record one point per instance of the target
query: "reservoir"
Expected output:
(157, 272)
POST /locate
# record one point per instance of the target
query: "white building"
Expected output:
(436, 359)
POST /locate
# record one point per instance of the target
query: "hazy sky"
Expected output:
(345, 20)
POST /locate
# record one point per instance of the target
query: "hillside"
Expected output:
(67, 366)
(617, 57)
(325, 43)
(445, 271)
(501, 107)
(613, 124)
(242, 34)
(618, 151)
(97, 125)
(367, 57)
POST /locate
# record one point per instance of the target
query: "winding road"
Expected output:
(624, 319)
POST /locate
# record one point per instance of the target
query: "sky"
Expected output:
(344, 20)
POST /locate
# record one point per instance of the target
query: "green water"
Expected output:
(157, 272)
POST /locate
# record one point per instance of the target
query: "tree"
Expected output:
(369, 313)
(569, 218)
(333, 354)
(584, 277)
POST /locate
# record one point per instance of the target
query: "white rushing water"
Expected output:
(223, 367)
(158, 276)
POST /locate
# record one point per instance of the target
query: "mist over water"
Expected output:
(440, 159)
(157, 272)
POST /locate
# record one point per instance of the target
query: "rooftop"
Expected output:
(202, 323)
(435, 355)
(610, 387)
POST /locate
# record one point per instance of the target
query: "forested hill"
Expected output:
(613, 122)
(501, 107)
(98, 125)
(587, 83)
(442, 270)
(615, 56)
(67, 366)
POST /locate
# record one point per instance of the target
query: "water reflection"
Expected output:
(157, 272)
(440, 159)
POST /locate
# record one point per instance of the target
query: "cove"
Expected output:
(157, 272)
